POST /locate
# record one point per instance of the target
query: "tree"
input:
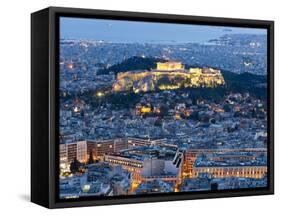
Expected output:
(91, 159)
(194, 116)
(74, 165)
(254, 113)
(227, 108)
(164, 111)
(158, 122)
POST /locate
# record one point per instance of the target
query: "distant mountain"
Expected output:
(258, 40)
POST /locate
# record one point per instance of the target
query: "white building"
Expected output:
(153, 167)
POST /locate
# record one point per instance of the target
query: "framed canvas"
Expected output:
(132, 107)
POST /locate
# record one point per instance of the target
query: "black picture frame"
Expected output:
(44, 105)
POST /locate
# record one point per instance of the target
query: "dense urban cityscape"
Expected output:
(144, 118)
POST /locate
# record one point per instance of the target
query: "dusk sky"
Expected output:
(132, 31)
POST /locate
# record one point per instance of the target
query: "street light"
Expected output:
(100, 94)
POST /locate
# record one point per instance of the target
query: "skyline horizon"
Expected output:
(119, 31)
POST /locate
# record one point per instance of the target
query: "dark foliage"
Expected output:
(133, 63)
(74, 166)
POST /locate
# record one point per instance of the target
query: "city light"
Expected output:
(100, 94)
(86, 188)
(70, 66)
(76, 109)
(144, 118)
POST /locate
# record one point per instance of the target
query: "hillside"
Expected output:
(245, 82)
(134, 63)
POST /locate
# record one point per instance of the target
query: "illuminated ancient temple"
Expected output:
(167, 76)
(169, 66)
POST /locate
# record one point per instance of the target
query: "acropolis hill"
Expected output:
(167, 76)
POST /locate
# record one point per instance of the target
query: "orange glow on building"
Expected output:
(145, 109)
(169, 66)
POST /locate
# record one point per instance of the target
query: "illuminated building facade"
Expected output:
(144, 169)
(120, 144)
(134, 142)
(71, 151)
(81, 150)
(145, 163)
(132, 165)
(191, 165)
(169, 66)
(63, 153)
(232, 171)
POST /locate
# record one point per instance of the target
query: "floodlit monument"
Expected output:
(167, 76)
